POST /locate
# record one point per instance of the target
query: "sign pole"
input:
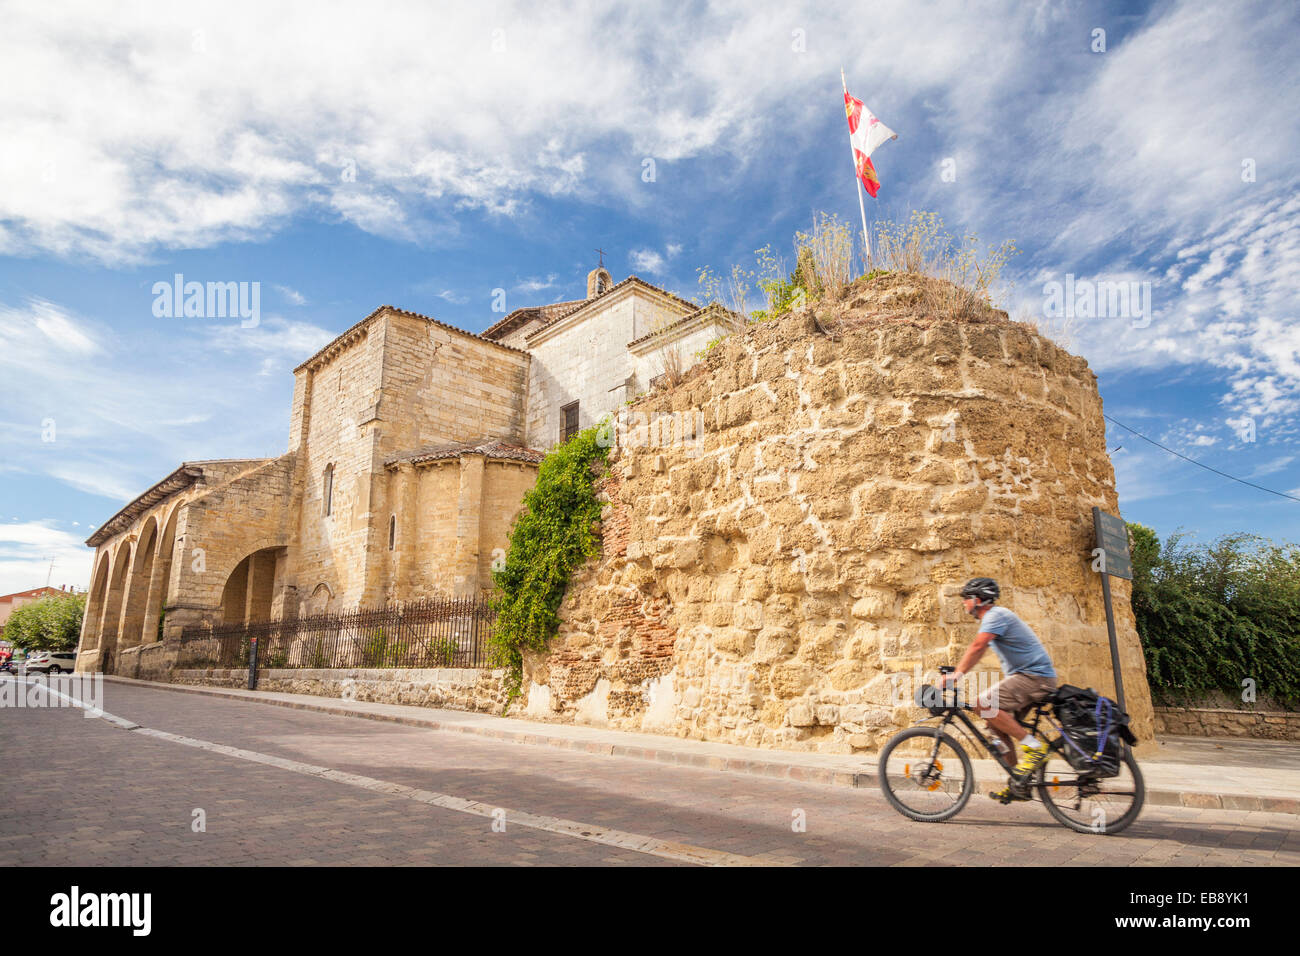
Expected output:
(1114, 643)
(1112, 554)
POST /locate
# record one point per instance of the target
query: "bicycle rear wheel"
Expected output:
(1087, 804)
(925, 775)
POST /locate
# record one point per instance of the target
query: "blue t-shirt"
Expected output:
(1016, 645)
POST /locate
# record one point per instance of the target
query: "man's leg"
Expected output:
(998, 706)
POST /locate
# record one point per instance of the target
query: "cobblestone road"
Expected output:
(111, 796)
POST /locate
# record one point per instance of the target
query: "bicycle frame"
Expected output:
(957, 711)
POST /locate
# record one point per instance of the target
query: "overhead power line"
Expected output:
(1280, 494)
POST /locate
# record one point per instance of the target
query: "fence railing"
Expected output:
(451, 632)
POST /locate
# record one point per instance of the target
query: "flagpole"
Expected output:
(862, 208)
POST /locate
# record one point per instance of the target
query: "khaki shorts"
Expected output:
(1014, 694)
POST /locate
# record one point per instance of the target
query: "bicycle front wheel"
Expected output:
(1088, 804)
(925, 775)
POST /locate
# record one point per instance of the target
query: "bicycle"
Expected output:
(918, 767)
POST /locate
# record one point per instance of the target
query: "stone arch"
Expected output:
(160, 589)
(111, 622)
(319, 601)
(93, 621)
(136, 598)
(264, 543)
(249, 590)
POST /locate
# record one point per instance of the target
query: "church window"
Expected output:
(568, 421)
(328, 491)
(392, 531)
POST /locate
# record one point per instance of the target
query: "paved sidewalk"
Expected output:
(1205, 773)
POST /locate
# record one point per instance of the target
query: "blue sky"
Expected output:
(344, 156)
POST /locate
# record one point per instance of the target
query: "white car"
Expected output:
(51, 662)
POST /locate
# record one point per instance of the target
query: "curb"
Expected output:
(863, 780)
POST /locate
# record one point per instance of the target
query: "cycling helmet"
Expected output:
(985, 590)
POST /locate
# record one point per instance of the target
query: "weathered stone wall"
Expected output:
(228, 523)
(773, 585)
(337, 431)
(444, 386)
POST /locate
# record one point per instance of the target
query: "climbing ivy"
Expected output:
(552, 537)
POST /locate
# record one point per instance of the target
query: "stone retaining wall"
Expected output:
(1222, 722)
(452, 688)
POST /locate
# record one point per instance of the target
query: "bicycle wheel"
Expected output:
(925, 775)
(1084, 803)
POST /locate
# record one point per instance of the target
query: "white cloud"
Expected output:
(647, 260)
(1272, 467)
(286, 339)
(448, 295)
(109, 483)
(26, 550)
(293, 295)
(535, 284)
(239, 114)
(43, 334)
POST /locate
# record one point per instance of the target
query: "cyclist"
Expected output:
(1030, 678)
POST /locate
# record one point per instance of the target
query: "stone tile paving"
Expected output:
(93, 795)
(134, 797)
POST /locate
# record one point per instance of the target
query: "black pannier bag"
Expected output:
(1092, 729)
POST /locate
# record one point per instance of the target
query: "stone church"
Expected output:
(411, 445)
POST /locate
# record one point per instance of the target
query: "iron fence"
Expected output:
(437, 632)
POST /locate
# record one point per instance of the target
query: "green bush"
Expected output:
(1212, 617)
(552, 537)
(53, 623)
(377, 650)
(444, 652)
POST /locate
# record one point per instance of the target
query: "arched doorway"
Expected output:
(250, 589)
(137, 586)
(111, 624)
(93, 622)
(160, 590)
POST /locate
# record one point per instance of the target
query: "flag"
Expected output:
(865, 133)
(867, 173)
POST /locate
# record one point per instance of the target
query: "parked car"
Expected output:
(51, 662)
(8, 666)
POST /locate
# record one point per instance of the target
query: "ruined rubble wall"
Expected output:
(774, 582)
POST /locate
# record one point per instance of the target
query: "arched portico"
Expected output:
(249, 592)
(93, 620)
(137, 587)
(111, 622)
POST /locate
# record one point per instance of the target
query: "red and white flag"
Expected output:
(865, 134)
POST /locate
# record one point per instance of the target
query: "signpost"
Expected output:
(1111, 556)
(252, 653)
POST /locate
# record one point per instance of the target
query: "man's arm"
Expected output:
(973, 655)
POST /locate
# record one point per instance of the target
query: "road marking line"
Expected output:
(621, 839)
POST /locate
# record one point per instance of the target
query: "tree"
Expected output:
(1218, 617)
(52, 623)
